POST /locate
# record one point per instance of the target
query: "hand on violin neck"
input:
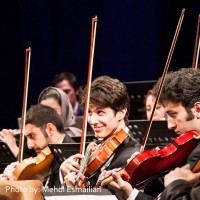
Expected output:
(71, 180)
(71, 164)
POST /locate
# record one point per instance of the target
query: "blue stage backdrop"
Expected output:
(132, 43)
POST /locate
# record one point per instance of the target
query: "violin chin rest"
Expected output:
(196, 137)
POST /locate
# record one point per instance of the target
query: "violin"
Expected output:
(36, 168)
(96, 155)
(157, 161)
(104, 152)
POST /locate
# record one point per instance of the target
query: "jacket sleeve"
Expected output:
(181, 190)
(143, 196)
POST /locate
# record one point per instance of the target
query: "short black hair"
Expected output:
(40, 115)
(180, 86)
(66, 76)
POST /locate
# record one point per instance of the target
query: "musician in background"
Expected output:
(68, 82)
(43, 126)
(56, 99)
(108, 114)
(159, 113)
(180, 97)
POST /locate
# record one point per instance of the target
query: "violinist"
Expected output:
(159, 113)
(108, 113)
(68, 82)
(42, 127)
(56, 99)
(180, 97)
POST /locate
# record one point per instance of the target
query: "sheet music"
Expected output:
(82, 197)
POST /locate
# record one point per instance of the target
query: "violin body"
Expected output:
(151, 163)
(34, 167)
(103, 152)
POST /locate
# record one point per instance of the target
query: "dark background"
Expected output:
(132, 43)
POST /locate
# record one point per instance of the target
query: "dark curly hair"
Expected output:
(39, 115)
(180, 86)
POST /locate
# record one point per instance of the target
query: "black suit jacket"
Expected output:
(180, 189)
(54, 180)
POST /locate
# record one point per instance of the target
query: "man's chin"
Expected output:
(98, 135)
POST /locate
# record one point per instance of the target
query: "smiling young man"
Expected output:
(108, 114)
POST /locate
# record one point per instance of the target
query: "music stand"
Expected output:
(159, 134)
(63, 151)
(6, 156)
(137, 91)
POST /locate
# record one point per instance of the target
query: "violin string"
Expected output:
(87, 155)
(84, 162)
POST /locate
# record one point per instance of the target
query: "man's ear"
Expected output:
(50, 129)
(197, 109)
(121, 114)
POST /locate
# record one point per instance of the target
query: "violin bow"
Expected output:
(163, 77)
(196, 46)
(87, 99)
(24, 106)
